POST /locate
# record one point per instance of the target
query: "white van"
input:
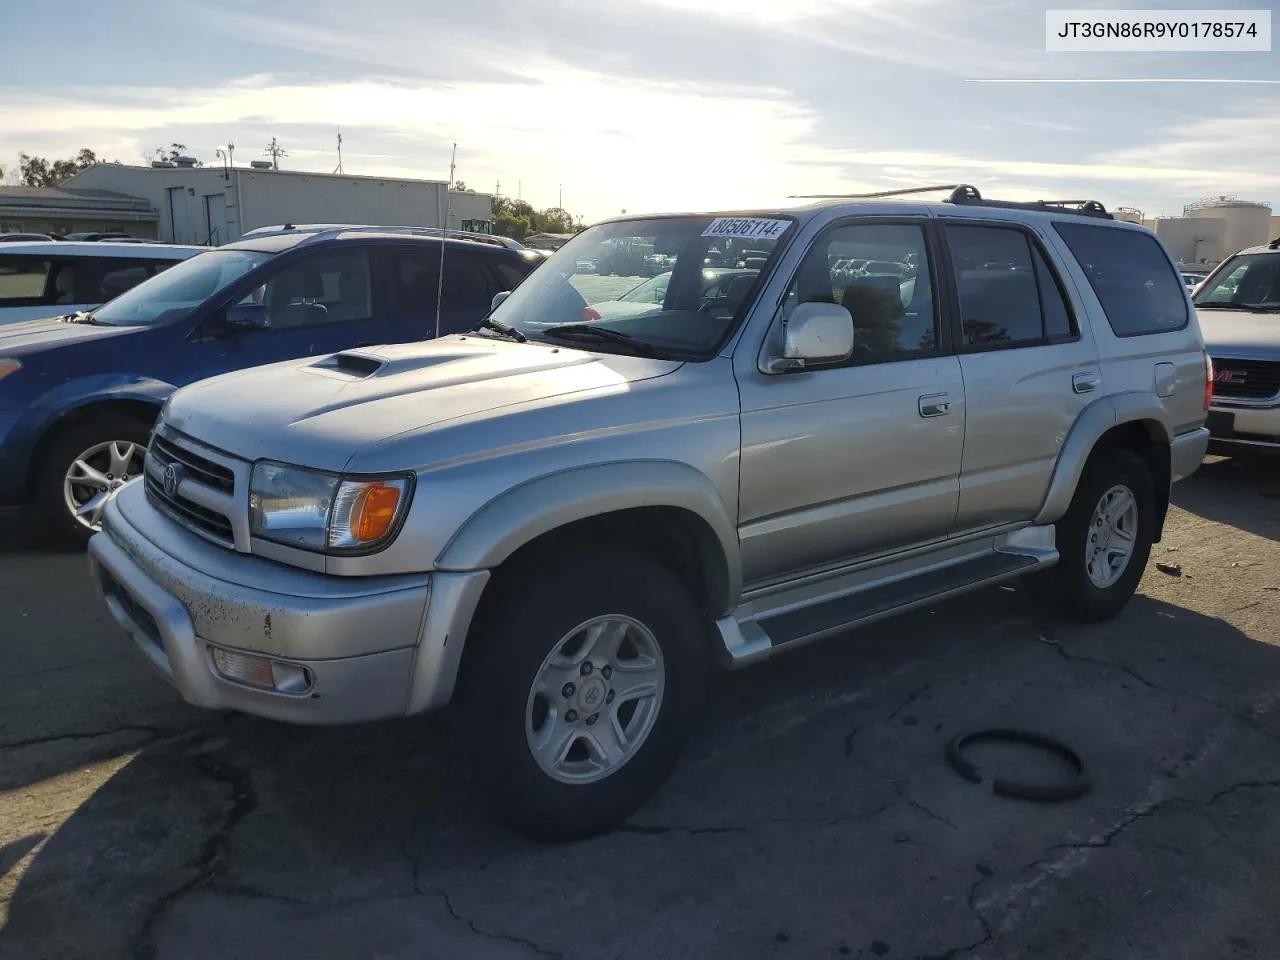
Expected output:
(51, 278)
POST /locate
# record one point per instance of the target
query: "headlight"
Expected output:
(323, 511)
(8, 365)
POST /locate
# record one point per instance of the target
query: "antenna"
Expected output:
(275, 152)
(448, 208)
(338, 169)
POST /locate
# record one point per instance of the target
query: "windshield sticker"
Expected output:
(756, 228)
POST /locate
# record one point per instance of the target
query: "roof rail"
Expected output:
(325, 230)
(1274, 244)
(964, 194)
(883, 193)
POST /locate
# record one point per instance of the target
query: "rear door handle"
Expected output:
(935, 404)
(1084, 382)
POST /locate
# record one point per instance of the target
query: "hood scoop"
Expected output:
(357, 366)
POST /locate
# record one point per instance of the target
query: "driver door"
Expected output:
(319, 304)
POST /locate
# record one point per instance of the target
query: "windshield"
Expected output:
(179, 289)
(1250, 282)
(667, 286)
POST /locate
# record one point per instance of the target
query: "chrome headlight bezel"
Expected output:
(329, 494)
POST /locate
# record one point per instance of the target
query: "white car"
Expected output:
(52, 278)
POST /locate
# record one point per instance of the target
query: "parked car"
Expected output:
(57, 278)
(723, 289)
(94, 236)
(558, 524)
(1239, 308)
(23, 237)
(78, 395)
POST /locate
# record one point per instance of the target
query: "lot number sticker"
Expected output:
(761, 228)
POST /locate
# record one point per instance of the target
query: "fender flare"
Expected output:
(1095, 420)
(519, 515)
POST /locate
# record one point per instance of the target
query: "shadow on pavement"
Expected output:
(1231, 491)
(816, 810)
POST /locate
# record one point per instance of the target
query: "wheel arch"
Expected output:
(141, 407)
(1134, 421)
(664, 507)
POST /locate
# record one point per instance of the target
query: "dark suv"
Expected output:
(79, 394)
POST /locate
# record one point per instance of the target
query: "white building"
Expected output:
(217, 205)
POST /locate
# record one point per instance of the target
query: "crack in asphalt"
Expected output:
(154, 734)
(212, 857)
(420, 890)
(910, 801)
(988, 932)
(1242, 785)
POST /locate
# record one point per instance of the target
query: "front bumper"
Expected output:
(353, 648)
(1244, 429)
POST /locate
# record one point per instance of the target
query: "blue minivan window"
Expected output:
(180, 289)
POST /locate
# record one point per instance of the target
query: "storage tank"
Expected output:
(1248, 222)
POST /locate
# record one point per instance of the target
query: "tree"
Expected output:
(555, 220)
(174, 151)
(461, 187)
(39, 172)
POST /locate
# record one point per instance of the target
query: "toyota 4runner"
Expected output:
(557, 522)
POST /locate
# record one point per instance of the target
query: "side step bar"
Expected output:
(762, 629)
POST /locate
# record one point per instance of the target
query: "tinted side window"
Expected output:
(1138, 288)
(467, 284)
(413, 281)
(321, 288)
(22, 281)
(889, 294)
(1059, 324)
(509, 275)
(997, 284)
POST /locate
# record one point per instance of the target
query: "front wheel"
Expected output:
(580, 690)
(82, 468)
(1104, 539)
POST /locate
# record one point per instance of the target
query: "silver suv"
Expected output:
(1239, 309)
(558, 522)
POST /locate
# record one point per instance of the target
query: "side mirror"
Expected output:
(247, 316)
(815, 333)
(498, 298)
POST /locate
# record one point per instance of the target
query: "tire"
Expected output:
(1067, 586)
(533, 612)
(56, 460)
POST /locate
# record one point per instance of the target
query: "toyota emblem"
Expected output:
(172, 477)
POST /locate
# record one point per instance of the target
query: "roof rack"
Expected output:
(324, 230)
(1274, 244)
(964, 194)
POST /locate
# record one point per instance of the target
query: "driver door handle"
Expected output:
(935, 405)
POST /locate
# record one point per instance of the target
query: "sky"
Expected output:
(650, 105)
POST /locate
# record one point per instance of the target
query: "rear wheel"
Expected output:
(579, 691)
(1104, 539)
(82, 468)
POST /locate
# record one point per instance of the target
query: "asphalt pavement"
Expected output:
(814, 815)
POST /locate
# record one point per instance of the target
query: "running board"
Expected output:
(791, 618)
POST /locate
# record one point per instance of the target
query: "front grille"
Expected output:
(207, 487)
(202, 469)
(1245, 379)
(189, 513)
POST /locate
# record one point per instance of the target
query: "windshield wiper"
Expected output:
(80, 316)
(497, 326)
(589, 332)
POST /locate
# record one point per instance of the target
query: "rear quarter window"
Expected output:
(1140, 291)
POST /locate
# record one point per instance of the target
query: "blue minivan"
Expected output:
(79, 393)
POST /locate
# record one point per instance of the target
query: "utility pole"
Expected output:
(339, 168)
(275, 152)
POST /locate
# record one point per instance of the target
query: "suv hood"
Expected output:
(320, 412)
(32, 336)
(1239, 334)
